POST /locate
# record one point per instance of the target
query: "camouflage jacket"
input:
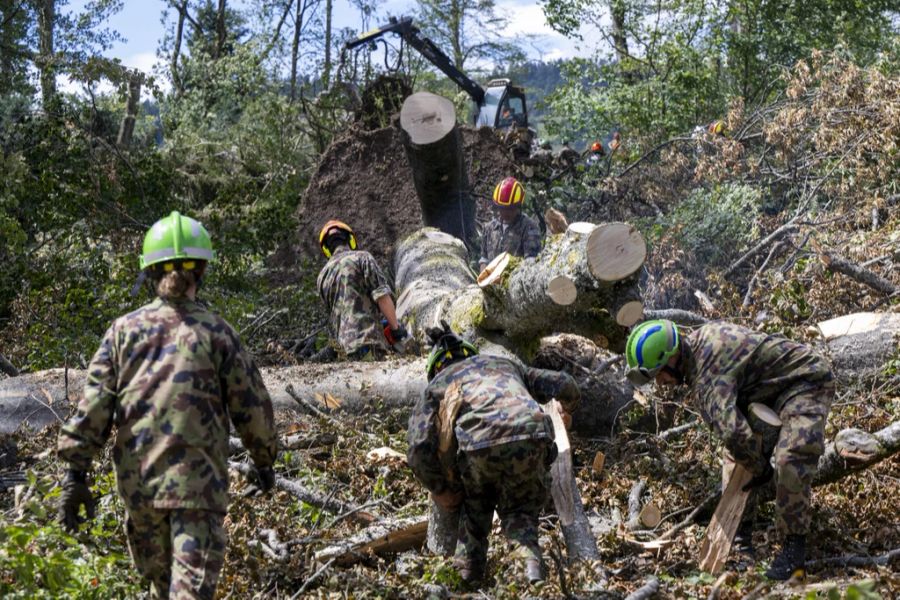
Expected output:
(729, 367)
(499, 405)
(521, 238)
(169, 376)
(350, 285)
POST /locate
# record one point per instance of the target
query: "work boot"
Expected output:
(470, 571)
(792, 560)
(534, 570)
(743, 540)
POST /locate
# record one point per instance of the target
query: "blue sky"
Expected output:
(139, 23)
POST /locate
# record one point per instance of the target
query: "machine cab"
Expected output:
(504, 106)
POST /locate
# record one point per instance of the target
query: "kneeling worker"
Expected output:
(505, 446)
(729, 367)
(356, 294)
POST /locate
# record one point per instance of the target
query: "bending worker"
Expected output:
(170, 376)
(510, 230)
(729, 367)
(503, 446)
(356, 294)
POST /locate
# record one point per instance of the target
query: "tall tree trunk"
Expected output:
(46, 13)
(126, 129)
(620, 39)
(326, 70)
(221, 34)
(433, 147)
(455, 25)
(176, 48)
(295, 47)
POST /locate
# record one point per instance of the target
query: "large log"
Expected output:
(433, 147)
(583, 281)
(860, 344)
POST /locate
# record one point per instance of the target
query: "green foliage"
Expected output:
(863, 590)
(40, 560)
(717, 224)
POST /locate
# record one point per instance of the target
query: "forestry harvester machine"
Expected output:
(500, 106)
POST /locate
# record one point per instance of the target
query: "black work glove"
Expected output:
(75, 494)
(400, 333)
(761, 479)
(265, 478)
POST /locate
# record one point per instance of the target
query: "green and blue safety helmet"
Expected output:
(176, 242)
(448, 349)
(649, 348)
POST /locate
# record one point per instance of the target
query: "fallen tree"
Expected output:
(583, 282)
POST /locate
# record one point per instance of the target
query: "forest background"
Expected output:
(231, 123)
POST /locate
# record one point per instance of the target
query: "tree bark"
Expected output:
(7, 367)
(838, 264)
(382, 537)
(433, 147)
(295, 47)
(46, 60)
(598, 264)
(221, 33)
(176, 48)
(326, 68)
(126, 129)
(620, 40)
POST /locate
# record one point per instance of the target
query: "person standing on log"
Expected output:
(729, 367)
(500, 446)
(356, 294)
(510, 230)
(170, 376)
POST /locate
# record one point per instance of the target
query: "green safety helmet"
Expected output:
(649, 348)
(449, 349)
(176, 237)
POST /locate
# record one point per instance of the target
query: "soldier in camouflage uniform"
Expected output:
(170, 376)
(510, 231)
(357, 295)
(729, 367)
(504, 446)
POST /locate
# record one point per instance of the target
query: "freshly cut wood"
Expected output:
(861, 344)
(561, 470)
(494, 270)
(854, 450)
(435, 283)
(580, 541)
(764, 414)
(562, 290)
(443, 523)
(380, 538)
(434, 149)
(556, 221)
(650, 515)
(385, 454)
(615, 251)
(599, 462)
(719, 535)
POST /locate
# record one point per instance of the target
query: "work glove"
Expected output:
(761, 479)
(75, 494)
(400, 333)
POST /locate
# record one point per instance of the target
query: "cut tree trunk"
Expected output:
(861, 344)
(716, 542)
(434, 149)
(596, 267)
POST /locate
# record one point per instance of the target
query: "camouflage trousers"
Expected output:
(795, 449)
(180, 552)
(512, 479)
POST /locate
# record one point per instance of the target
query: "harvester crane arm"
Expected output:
(412, 36)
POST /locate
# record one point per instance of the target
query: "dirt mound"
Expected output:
(364, 179)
